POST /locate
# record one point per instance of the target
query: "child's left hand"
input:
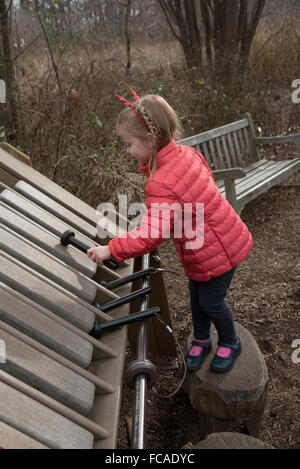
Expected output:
(99, 254)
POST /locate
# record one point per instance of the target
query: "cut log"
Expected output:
(236, 396)
(229, 440)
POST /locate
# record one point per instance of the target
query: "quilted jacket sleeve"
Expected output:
(156, 225)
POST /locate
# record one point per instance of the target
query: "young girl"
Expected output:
(179, 175)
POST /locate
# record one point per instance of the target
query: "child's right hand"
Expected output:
(99, 254)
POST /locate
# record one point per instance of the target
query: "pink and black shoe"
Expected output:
(196, 354)
(225, 357)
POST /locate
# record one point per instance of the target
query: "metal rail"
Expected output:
(141, 380)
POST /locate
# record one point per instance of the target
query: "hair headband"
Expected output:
(127, 103)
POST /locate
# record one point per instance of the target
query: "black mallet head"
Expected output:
(65, 237)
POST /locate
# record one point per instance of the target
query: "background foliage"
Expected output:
(69, 57)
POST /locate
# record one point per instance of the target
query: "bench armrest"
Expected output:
(230, 173)
(280, 139)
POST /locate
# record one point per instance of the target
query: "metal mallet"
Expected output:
(124, 299)
(68, 237)
(129, 278)
(100, 327)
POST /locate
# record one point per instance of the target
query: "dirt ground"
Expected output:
(264, 297)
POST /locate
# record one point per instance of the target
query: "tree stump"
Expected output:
(229, 440)
(235, 397)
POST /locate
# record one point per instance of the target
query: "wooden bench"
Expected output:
(232, 153)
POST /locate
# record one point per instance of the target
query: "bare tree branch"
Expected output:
(48, 44)
(165, 9)
(127, 6)
(124, 5)
(27, 47)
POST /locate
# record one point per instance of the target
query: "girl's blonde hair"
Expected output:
(157, 121)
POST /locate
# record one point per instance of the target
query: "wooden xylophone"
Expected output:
(60, 387)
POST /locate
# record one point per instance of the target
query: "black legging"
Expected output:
(208, 305)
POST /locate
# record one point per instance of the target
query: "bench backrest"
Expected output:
(229, 146)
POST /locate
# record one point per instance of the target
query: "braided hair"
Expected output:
(147, 119)
(156, 119)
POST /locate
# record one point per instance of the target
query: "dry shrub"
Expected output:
(70, 133)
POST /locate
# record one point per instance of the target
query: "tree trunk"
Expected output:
(226, 43)
(183, 19)
(127, 36)
(229, 27)
(208, 31)
(8, 118)
(192, 56)
(39, 17)
(248, 32)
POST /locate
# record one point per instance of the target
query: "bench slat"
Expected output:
(213, 154)
(198, 148)
(255, 168)
(241, 162)
(232, 152)
(207, 155)
(211, 134)
(264, 184)
(259, 174)
(222, 164)
(248, 146)
(201, 150)
(243, 144)
(228, 162)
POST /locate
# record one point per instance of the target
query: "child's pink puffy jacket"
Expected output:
(183, 179)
